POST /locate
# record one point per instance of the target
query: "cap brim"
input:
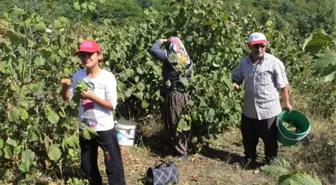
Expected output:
(86, 50)
(257, 42)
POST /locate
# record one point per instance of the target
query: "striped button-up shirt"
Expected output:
(262, 83)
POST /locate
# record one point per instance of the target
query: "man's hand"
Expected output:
(66, 82)
(288, 106)
(235, 86)
(285, 98)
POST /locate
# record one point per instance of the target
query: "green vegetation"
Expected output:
(81, 86)
(37, 133)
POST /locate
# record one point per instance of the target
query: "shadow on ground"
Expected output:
(156, 143)
(229, 157)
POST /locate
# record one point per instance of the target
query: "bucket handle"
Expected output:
(125, 136)
(290, 138)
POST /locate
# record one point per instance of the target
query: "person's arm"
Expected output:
(65, 92)
(157, 52)
(285, 97)
(282, 84)
(111, 91)
(237, 76)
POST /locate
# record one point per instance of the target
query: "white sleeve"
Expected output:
(111, 90)
(280, 75)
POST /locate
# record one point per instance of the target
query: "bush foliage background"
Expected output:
(37, 132)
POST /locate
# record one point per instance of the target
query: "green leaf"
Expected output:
(39, 61)
(1, 143)
(11, 142)
(24, 114)
(54, 153)
(334, 92)
(128, 93)
(325, 65)
(172, 58)
(140, 86)
(140, 95)
(324, 59)
(194, 116)
(72, 141)
(58, 24)
(168, 83)
(64, 21)
(144, 104)
(183, 125)
(77, 6)
(46, 52)
(129, 72)
(184, 81)
(52, 116)
(37, 88)
(330, 77)
(22, 51)
(32, 134)
(14, 113)
(139, 70)
(298, 178)
(89, 133)
(273, 170)
(8, 152)
(27, 159)
(24, 167)
(317, 41)
(17, 11)
(84, 5)
(276, 167)
(121, 86)
(92, 7)
(62, 53)
(40, 27)
(14, 38)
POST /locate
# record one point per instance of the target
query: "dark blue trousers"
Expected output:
(107, 140)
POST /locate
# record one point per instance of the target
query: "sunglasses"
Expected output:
(259, 46)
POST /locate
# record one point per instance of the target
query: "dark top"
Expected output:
(168, 71)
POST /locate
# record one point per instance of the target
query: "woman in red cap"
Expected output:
(95, 110)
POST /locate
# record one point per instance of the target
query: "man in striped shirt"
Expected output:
(263, 75)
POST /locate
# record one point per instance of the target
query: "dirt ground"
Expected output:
(220, 164)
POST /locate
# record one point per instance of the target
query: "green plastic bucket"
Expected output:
(299, 120)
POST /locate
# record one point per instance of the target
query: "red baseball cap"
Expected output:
(257, 38)
(89, 46)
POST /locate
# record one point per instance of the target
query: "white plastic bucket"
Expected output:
(125, 131)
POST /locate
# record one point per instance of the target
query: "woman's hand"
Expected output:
(163, 40)
(66, 82)
(87, 95)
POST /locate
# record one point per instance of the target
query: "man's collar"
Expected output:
(260, 60)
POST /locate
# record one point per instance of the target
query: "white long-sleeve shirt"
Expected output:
(104, 86)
